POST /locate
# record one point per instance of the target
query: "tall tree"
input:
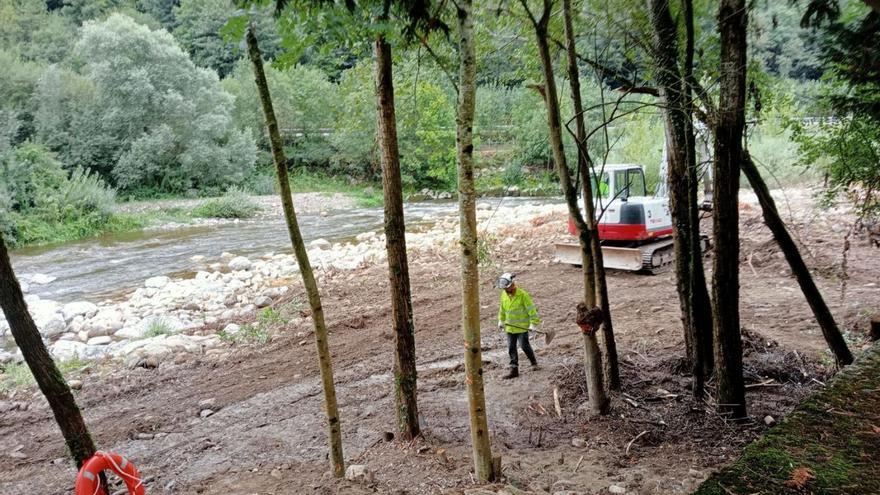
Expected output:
(774, 222)
(595, 284)
(334, 430)
(703, 359)
(470, 274)
(406, 406)
(690, 278)
(36, 355)
(732, 20)
(592, 360)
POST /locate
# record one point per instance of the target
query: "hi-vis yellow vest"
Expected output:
(517, 311)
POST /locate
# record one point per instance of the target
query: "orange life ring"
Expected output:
(88, 481)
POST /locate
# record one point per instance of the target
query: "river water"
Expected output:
(94, 269)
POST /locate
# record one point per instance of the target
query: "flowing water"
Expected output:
(94, 269)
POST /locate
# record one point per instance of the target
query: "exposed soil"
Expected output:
(267, 436)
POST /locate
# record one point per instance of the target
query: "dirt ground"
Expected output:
(266, 435)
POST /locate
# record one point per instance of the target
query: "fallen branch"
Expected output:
(556, 401)
(768, 383)
(631, 442)
(578, 465)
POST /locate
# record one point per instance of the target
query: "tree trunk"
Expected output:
(594, 272)
(685, 229)
(470, 275)
(732, 19)
(592, 359)
(36, 355)
(814, 298)
(702, 304)
(334, 434)
(406, 406)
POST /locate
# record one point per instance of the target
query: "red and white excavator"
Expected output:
(635, 229)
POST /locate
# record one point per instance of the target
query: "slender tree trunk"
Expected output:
(334, 433)
(702, 304)
(592, 359)
(395, 245)
(814, 298)
(594, 272)
(685, 229)
(38, 359)
(732, 19)
(470, 275)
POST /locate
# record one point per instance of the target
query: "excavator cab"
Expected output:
(622, 181)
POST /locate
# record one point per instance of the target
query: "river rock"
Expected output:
(197, 258)
(239, 263)
(75, 384)
(53, 327)
(65, 350)
(25, 287)
(102, 340)
(157, 282)
(359, 473)
(231, 329)
(79, 308)
(242, 275)
(320, 244)
(42, 279)
(105, 322)
(6, 357)
(262, 301)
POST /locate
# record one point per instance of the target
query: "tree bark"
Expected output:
(702, 304)
(470, 275)
(406, 405)
(814, 298)
(732, 19)
(595, 285)
(334, 433)
(36, 355)
(592, 358)
(681, 174)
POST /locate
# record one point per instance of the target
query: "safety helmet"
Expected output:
(505, 280)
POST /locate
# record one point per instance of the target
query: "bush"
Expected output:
(234, 204)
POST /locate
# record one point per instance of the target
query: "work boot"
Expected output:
(513, 373)
(535, 366)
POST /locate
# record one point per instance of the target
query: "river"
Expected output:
(98, 268)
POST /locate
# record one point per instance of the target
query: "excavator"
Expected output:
(635, 229)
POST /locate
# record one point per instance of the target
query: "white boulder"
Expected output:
(239, 263)
(157, 282)
(320, 244)
(79, 308)
(103, 340)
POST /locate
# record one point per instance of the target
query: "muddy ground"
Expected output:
(266, 433)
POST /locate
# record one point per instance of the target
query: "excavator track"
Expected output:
(653, 258)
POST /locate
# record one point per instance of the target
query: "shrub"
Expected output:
(234, 204)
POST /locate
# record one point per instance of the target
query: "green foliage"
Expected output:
(247, 334)
(270, 316)
(156, 328)
(848, 153)
(236, 203)
(170, 121)
(17, 376)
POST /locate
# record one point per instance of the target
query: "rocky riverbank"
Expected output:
(195, 313)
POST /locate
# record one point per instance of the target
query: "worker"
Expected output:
(517, 316)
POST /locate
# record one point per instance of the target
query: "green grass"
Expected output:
(364, 194)
(156, 328)
(236, 203)
(17, 376)
(834, 435)
(248, 334)
(36, 231)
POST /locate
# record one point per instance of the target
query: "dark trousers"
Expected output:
(523, 339)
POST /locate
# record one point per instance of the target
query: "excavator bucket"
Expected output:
(618, 258)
